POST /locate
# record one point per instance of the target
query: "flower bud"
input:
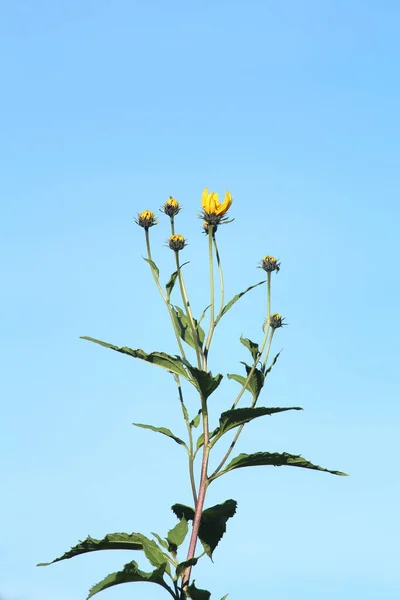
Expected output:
(146, 219)
(176, 242)
(276, 321)
(269, 264)
(171, 207)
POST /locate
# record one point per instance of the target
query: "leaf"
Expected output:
(161, 359)
(235, 299)
(176, 535)
(171, 283)
(162, 430)
(275, 459)
(112, 541)
(153, 553)
(252, 346)
(204, 381)
(181, 568)
(268, 370)
(197, 594)
(255, 383)
(203, 314)
(185, 330)
(196, 421)
(212, 523)
(160, 540)
(153, 266)
(238, 416)
(225, 597)
(181, 510)
(130, 574)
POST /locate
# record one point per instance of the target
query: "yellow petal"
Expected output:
(225, 206)
(205, 200)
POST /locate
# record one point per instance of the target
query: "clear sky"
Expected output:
(106, 109)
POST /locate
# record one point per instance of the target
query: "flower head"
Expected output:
(171, 207)
(176, 242)
(269, 264)
(146, 219)
(276, 321)
(213, 210)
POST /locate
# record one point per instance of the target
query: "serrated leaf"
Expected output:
(112, 541)
(252, 347)
(171, 283)
(275, 459)
(130, 574)
(235, 299)
(238, 416)
(204, 381)
(185, 330)
(160, 359)
(153, 266)
(162, 430)
(255, 383)
(181, 568)
(197, 594)
(153, 553)
(176, 535)
(268, 369)
(212, 523)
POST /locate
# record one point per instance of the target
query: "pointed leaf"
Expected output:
(162, 430)
(275, 459)
(236, 298)
(255, 383)
(153, 553)
(225, 597)
(185, 330)
(203, 314)
(212, 523)
(112, 541)
(238, 416)
(181, 568)
(196, 421)
(171, 283)
(205, 382)
(197, 594)
(153, 266)
(252, 346)
(161, 359)
(268, 369)
(160, 540)
(176, 535)
(130, 574)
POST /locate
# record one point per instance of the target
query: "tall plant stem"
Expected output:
(212, 300)
(188, 310)
(190, 436)
(221, 278)
(167, 303)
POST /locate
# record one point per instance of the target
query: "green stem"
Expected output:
(178, 339)
(221, 278)
(190, 436)
(188, 310)
(212, 301)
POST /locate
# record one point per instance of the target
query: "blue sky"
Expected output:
(106, 110)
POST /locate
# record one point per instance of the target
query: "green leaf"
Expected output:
(183, 511)
(200, 439)
(185, 330)
(256, 381)
(130, 574)
(235, 299)
(160, 540)
(225, 597)
(197, 594)
(203, 314)
(112, 541)
(153, 553)
(275, 459)
(161, 359)
(252, 346)
(181, 568)
(153, 266)
(171, 283)
(212, 523)
(162, 430)
(176, 535)
(196, 421)
(268, 369)
(204, 381)
(238, 416)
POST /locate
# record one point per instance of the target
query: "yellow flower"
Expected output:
(176, 242)
(146, 219)
(170, 207)
(211, 204)
(270, 263)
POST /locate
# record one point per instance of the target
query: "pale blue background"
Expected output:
(106, 109)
